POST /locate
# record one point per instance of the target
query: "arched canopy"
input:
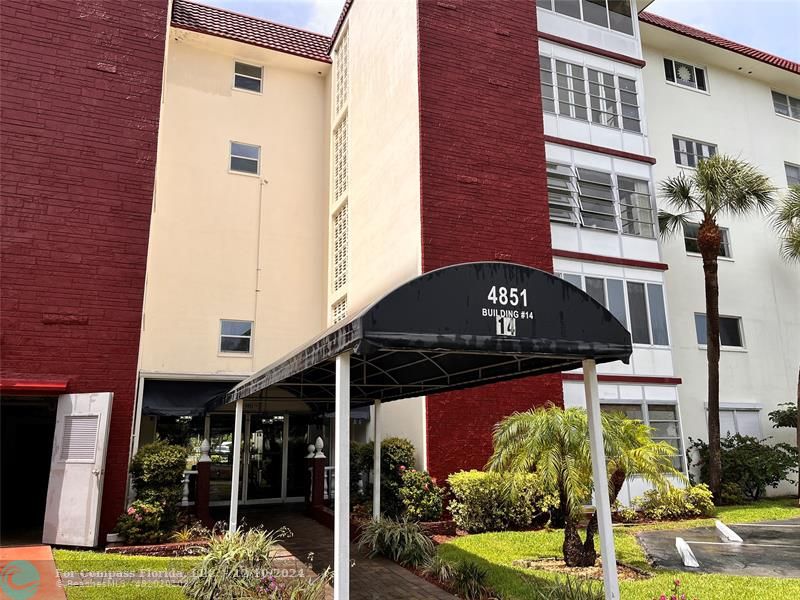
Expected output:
(459, 326)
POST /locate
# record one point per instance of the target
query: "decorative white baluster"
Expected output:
(185, 500)
(204, 449)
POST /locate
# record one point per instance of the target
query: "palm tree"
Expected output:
(720, 186)
(786, 220)
(555, 444)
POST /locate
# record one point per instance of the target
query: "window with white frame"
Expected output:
(792, 173)
(588, 198)
(690, 240)
(247, 77)
(744, 421)
(611, 14)
(635, 206)
(786, 105)
(689, 152)
(639, 303)
(235, 336)
(685, 74)
(662, 417)
(583, 93)
(341, 248)
(730, 331)
(339, 310)
(244, 158)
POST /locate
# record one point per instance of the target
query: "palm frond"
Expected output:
(786, 221)
(671, 224)
(729, 185)
(679, 193)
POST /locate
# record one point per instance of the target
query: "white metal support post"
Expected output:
(376, 461)
(602, 503)
(341, 501)
(237, 457)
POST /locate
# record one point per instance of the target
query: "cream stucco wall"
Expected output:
(738, 116)
(234, 246)
(384, 192)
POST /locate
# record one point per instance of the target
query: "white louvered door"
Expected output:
(75, 490)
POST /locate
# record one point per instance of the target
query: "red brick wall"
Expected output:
(80, 106)
(483, 185)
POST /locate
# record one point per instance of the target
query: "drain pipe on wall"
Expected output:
(261, 185)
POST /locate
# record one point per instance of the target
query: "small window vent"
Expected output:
(79, 442)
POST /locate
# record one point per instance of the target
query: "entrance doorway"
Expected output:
(27, 426)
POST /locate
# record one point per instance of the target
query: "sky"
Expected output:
(770, 25)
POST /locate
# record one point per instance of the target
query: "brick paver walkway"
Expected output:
(370, 578)
(29, 572)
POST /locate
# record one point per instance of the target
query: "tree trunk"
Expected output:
(615, 483)
(575, 552)
(708, 241)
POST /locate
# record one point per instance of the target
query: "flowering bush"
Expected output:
(142, 523)
(676, 593)
(676, 503)
(421, 497)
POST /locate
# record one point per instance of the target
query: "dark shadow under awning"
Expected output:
(171, 398)
(453, 328)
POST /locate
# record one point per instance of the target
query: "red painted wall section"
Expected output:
(483, 186)
(79, 111)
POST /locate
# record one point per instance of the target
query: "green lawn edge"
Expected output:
(497, 551)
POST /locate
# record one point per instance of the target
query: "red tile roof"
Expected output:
(720, 42)
(250, 30)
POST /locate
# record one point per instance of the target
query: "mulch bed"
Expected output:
(557, 565)
(193, 548)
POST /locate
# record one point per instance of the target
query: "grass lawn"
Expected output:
(126, 592)
(77, 560)
(497, 551)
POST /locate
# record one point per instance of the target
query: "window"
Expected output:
(235, 336)
(588, 199)
(730, 330)
(596, 195)
(613, 14)
(245, 158)
(744, 421)
(609, 95)
(685, 74)
(340, 248)
(786, 105)
(571, 87)
(689, 152)
(560, 193)
(645, 305)
(648, 316)
(247, 77)
(792, 173)
(690, 240)
(663, 418)
(635, 208)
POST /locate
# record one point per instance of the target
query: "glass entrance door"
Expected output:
(266, 467)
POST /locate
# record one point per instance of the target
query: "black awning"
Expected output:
(171, 398)
(453, 328)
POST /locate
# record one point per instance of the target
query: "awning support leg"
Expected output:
(341, 502)
(600, 476)
(376, 461)
(237, 457)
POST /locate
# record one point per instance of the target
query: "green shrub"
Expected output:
(569, 588)
(750, 463)
(399, 539)
(624, 514)
(440, 569)
(469, 581)
(422, 498)
(143, 523)
(295, 588)
(731, 494)
(397, 454)
(227, 571)
(676, 503)
(489, 501)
